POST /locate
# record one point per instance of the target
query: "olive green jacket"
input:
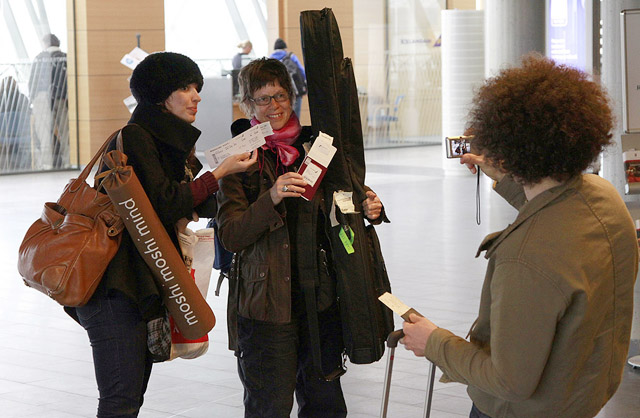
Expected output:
(554, 324)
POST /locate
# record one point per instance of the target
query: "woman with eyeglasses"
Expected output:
(263, 219)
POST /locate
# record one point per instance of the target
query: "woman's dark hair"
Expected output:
(541, 120)
(259, 73)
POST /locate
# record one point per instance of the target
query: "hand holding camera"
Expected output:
(460, 147)
(473, 160)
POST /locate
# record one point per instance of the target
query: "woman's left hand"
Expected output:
(372, 206)
(287, 185)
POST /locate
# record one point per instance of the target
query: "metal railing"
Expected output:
(34, 116)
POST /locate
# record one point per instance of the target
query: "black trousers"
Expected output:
(121, 359)
(274, 361)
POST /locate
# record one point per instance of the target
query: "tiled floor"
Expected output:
(45, 358)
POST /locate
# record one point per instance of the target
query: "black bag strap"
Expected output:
(309, 291)
(221, 278)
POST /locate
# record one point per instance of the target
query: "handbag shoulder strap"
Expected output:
(119, 139)
(98, 155)
(102, 152)
(119, 145)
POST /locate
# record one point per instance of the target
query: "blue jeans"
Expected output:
(475, 413)
(274, 361)
(121, 359)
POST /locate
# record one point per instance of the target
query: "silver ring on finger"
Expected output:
(285, 188)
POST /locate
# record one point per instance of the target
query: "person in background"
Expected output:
(159, 142)
(554, 324)
(237, 63)
(48, 95)
(296, 71)
(15, 135)
(261, 219)
(245, 49)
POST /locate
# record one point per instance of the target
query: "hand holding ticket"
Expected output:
(315, 164)
(247, 141)
(397, 306)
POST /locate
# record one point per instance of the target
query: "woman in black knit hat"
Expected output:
(159, 143)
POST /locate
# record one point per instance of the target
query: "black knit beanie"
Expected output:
(162, 73)
(280, 44)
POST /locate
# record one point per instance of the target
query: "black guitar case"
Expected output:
(333, 102)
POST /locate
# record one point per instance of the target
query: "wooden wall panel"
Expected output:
(290, 24)
(83, 101)
(461, 4)
(99, 131)
(104, 32)
(343, 10)
(116, 15)
(107, 49)
(106, 95)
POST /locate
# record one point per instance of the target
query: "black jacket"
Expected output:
(158, 146)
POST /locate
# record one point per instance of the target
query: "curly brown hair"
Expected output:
(541, 120)
(259, 73)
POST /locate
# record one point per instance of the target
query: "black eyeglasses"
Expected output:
(265, 100)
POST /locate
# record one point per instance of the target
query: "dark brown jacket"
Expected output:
(251, 226)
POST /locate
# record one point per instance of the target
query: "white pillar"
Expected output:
(462, 72)
(512, 28)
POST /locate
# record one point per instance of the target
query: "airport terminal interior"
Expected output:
(416, 62)
(429, 247)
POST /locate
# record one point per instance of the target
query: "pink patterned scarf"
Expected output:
(282, 140)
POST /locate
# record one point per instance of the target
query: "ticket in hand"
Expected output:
(314, 166)
(247, 141)
(397, 306)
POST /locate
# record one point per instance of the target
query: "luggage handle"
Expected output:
(392, 343)
(394, 337)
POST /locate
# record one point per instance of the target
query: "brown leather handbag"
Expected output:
(65, 253)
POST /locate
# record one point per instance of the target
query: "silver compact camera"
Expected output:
(458, 145)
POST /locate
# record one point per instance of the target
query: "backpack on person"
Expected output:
(223, 257)
(299, 82)
(58, 75)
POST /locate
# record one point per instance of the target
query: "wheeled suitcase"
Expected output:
(392, 343)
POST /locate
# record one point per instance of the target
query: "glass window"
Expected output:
(397, 64)
(34, 121)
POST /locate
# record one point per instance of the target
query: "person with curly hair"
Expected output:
(554, 323)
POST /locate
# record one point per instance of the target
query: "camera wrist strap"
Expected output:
(478, 195)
